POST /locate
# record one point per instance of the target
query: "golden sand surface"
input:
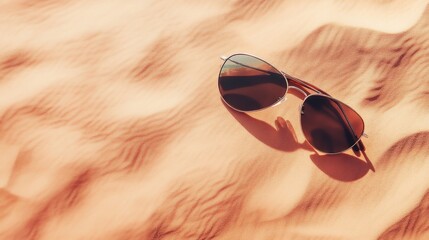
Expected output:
(112, 126)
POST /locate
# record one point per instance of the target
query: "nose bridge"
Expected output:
(299, 90)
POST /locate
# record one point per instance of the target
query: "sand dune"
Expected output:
(112, 127)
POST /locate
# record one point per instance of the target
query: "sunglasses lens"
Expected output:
(329, 125)
(247, 83)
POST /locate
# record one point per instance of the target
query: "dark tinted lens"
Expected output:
(247, 83)
(326, 126)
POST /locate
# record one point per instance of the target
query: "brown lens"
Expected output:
(330, 125)
(247, 83)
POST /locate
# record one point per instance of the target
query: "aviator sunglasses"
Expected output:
(247, 83)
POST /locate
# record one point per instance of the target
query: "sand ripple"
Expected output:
(111, 125)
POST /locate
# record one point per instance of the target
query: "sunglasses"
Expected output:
(247, 83)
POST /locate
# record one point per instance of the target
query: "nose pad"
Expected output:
(280, 100)
(301, 109)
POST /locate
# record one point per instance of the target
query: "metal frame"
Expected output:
(280, 100)
(305, 84)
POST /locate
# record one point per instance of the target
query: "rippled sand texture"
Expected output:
(111, 125)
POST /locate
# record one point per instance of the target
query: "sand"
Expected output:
(112, 127)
